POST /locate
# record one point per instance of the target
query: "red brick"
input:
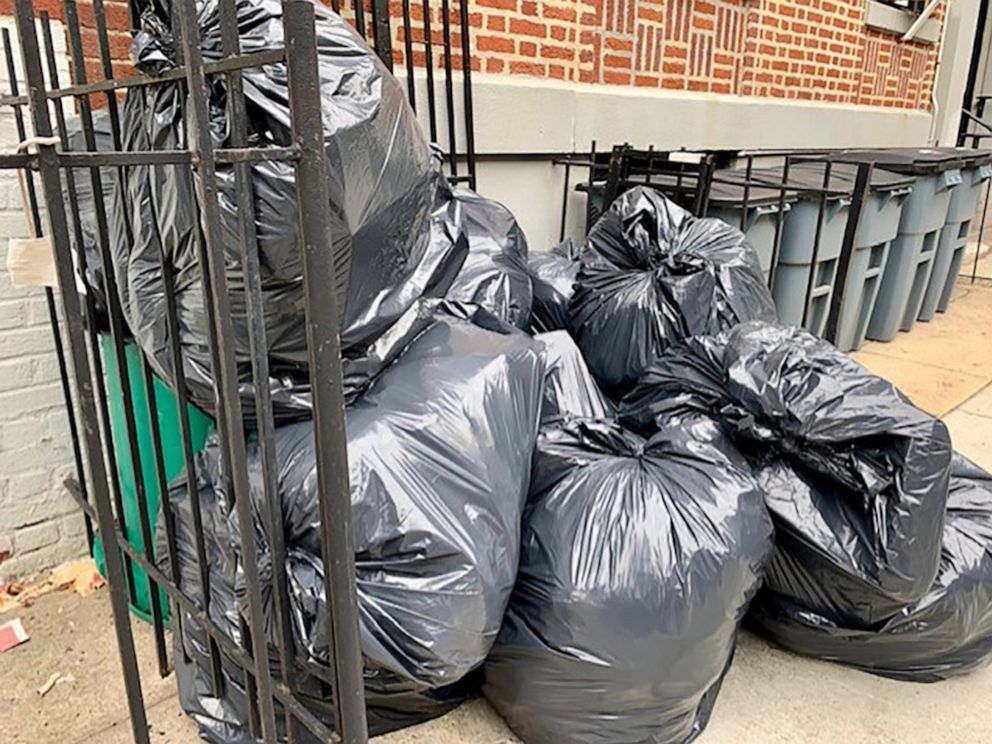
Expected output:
(500, 44)
(527, 28)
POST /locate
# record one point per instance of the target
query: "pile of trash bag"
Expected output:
(439, 449)
(638, 559)
(553, 273)
(494, 274)
(395, 236)
(854, 475)
(947, 632)
(569, 388)
(651, 275)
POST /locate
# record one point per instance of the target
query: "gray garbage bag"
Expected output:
(945, 633)
(569, 387)
(553, 275)
(638, 559)
(386, 194)
(494, 274)
(855, 475)
(439, 449)
(652, 275)
(84, 226)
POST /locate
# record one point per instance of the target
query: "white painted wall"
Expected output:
(548, 118)
(40, 524)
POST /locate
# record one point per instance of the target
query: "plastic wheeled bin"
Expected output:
(881, 214)
(807, 268)
(975, 171)
(727, 202)
(911, 254)
(172, 452)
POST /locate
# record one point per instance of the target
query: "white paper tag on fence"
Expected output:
(31, 262)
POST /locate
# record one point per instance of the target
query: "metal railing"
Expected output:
(272, 686)
(688, 178)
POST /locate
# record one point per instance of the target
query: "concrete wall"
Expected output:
(40, 524)
(544, 119)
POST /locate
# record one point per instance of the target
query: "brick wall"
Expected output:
(794, 49)
(40, 524)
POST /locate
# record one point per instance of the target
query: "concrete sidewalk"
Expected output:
(769, 696)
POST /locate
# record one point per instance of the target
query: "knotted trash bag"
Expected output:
(386, 198)
(652, 275)
(439, 449)
(569, 387)
(947, 632)
(638, 559)
(553, 274)
(854, 474)
(494, 274)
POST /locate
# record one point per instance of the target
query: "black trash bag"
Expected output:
(569, 387)
(494, 275)
(439, 454)
(390, 702)
(84, 226)
(638, 559)
(386, 196)
(855, 475)
(652, 275)
(553, 275)
(946, 633)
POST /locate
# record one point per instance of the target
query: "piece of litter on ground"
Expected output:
(78, 576)
(12, 634)
(52, 681)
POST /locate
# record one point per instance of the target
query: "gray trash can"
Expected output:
(975, 171)
(911, 254)
(806, 270)
(726, 202)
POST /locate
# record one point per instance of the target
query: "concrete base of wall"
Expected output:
(541, 119)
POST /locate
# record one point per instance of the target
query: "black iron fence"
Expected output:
(759, 182)
(276, 708)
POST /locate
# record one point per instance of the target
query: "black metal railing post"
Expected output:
(48, 167)
(862, 183)
(323, 321)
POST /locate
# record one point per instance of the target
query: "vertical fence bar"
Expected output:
(817, 236)
(777, 239)
(469, 113)
(382, 32)
(429, 66)
(861, 183)
(248, 238)
(48, 165)
(53, 316)
(449, 88)
(411, 80)
(981, 232)
(324, 351)
(747, 192)
(360, 17)
(117, 333)
(220, 322)
(564, 198)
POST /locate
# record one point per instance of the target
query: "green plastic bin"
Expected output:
(172, 452)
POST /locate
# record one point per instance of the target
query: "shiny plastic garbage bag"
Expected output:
(569, 387)
(553, 274)
(223, 718)
(83, 224)
(638, 559)
(385, 196)
(439, 450)
(652, 275)
(855, 475)
(945, 633)
(494, 274)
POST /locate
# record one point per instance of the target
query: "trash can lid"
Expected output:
(844, 175)
(913, 160)
(971, 156)
(807, 179)
(726, 189)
